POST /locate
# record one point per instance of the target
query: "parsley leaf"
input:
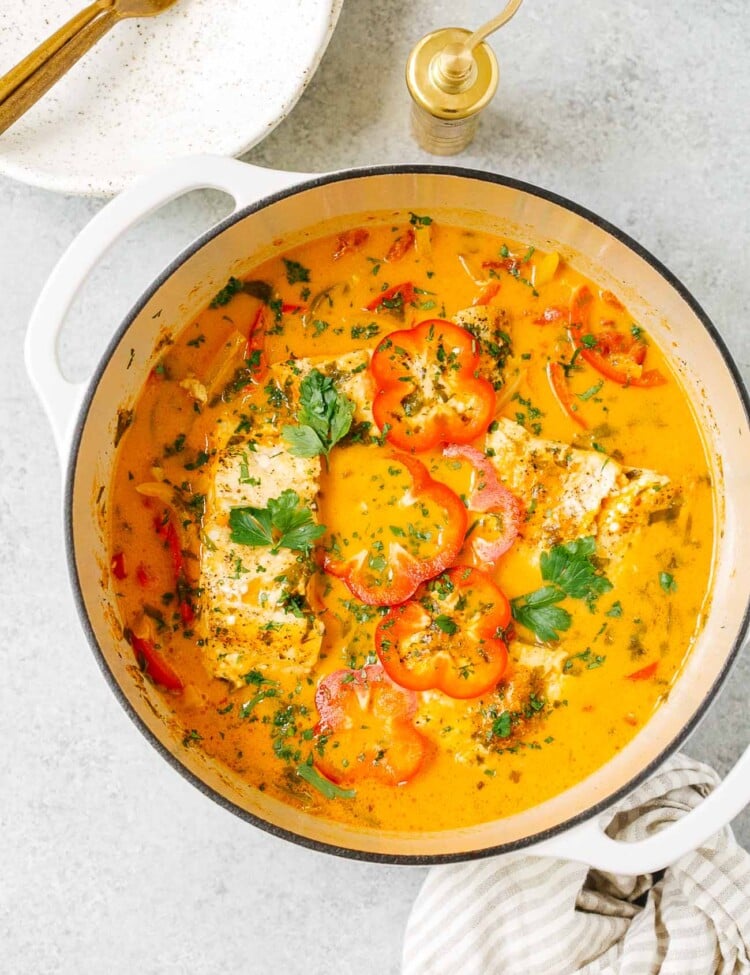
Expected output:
(667, 582)
(225, 295)
(324, 417)
(538, 611)
(416, 221)
(313, 777)
(295, 272)
(570, 570)
(570, 567)
(283, 524)
(446, 624)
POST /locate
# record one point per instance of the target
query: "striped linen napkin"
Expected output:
(526, 915)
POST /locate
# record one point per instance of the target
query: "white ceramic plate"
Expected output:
(206, 76)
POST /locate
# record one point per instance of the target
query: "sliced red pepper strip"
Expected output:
(449, 637)
(428, 391)
(350, 240)
(417, 535)
(366, 728)
(614, 355)
(394, 299)
(166, 530)
(494, 532)
(488, 292)
(288, 308)
(559, 384)
(117, 565)
(152, 663)
(255, 346)
(401, 245)
(645, 672)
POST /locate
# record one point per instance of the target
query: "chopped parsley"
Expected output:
(295, 272)
(446, 624)
(667, 582)
(225, 295)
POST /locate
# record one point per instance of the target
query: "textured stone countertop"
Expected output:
(111, 862)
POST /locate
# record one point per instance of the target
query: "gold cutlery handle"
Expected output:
(25, 84)
(32, 62)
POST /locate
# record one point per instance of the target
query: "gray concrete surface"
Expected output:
(109, 861)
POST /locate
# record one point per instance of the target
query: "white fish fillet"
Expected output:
(570, 493)
(255, 611)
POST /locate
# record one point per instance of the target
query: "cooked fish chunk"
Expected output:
(535, 674)
(349, 372)
(489, 325)
(256, 613)
(570, 492)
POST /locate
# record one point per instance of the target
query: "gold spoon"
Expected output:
(25, 84)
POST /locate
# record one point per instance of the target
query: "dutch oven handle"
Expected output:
(589, 844)
(60, 397)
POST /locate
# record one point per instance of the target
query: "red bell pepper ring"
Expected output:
(428, 390)
(393, 299)
(349, 241)
(366, 728)
(152, 663)
(117, 565)
(436, 519)
(559, 384)
(645, 672)
(451, 636)
(503, 513)
(615, 356)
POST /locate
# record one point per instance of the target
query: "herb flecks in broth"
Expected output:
(412, 525)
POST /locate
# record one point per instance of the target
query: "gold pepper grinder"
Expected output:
(452, 75)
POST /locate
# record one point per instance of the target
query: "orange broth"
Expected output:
(645, 626)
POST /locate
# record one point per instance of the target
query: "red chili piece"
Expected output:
(615, 356)
(117, 566)
(152, 663)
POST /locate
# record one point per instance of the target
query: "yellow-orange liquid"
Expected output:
(653, 428)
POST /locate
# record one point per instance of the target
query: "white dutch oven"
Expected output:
(273, 205)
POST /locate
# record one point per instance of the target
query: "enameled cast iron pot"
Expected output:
(272, 205)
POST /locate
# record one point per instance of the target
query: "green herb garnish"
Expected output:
(324, 418)
(313, 777)
(570, 570)
(667, 582)
(283, 524)
(295, 272)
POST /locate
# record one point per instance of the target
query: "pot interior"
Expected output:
(672, 319)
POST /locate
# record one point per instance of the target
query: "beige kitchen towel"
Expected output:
(538, 916)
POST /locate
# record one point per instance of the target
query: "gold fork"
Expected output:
(25, 84)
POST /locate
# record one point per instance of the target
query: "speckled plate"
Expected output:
(206, 76)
